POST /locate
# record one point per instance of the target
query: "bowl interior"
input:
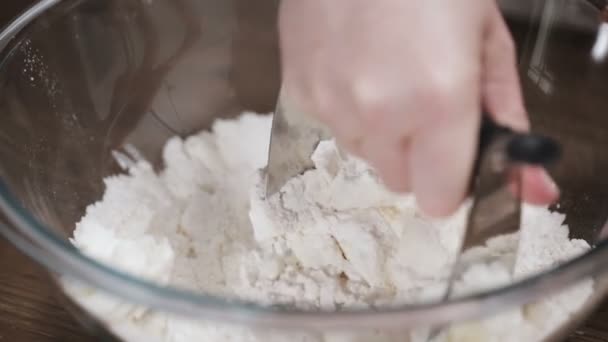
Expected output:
(90, 77)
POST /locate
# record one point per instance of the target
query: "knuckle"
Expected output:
(448, 93)
(370, 97)
(434, 99)
(508, 45)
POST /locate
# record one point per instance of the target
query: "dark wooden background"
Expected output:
(30, 311)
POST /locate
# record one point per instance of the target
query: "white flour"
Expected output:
(333, 238)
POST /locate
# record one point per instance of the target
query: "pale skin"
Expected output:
(402, 85)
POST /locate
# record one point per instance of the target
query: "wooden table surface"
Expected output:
(30, 311)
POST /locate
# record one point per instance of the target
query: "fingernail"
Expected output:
(550, 185)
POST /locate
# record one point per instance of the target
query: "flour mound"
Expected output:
(332, 238)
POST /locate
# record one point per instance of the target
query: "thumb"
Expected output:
(501, 96)
(501, 92)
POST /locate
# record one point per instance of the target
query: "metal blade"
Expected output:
(496, 208)
(294, 138)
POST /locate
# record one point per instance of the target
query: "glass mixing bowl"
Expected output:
(80, 79)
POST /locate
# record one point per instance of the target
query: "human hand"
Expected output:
(402, 83)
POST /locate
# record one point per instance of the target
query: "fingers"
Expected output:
(537, 186)
(411, 109)
(501, 92)
(441, 161)
(391, 160)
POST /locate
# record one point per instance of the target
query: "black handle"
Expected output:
(526, 148)
(521, 148)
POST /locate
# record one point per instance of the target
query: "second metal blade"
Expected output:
(294, 138)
